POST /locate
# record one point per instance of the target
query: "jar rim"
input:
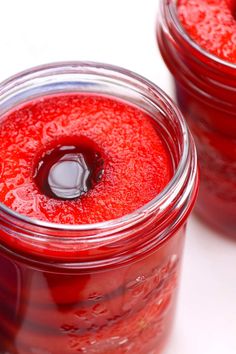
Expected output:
(168, 7)
(157, 202)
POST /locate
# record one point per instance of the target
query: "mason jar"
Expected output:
(205, 90)
(104, 287)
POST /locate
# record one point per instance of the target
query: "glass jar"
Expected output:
(105, 287)
(205, 89)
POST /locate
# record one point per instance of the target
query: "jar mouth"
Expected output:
(169, 8)
(165, 197)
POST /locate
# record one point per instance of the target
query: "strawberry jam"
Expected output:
(93, 215)
(211, 24)
(80, 159)
(198, 42)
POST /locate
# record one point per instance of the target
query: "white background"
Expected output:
(122, 32)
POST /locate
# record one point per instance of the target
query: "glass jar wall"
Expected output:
(96, 288)
(205, 89)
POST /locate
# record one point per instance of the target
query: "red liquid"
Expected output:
(205, 92)
(119, 163)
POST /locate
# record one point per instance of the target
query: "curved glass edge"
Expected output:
(169, 7)
(162, 200)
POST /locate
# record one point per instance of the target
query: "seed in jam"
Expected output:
(69, 171)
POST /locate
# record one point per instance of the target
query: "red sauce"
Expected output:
(117, 161)
(211, 24)
(205, 92)
(80, 159)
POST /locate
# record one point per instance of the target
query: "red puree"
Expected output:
(117, 162)
(211, 24)
(80, 159)
(205, 92)
(212, 115)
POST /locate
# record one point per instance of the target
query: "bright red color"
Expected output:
(122, 310)
(205, 92)
(211, 24)
(137, 164)
(127, 308)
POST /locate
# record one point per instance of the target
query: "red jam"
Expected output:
(211, 24)
(80, 159)
(205, 92)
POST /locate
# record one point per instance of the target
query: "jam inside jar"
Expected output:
(205, 91)
(99, 287)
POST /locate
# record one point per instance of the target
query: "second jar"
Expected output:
(205, 89)
(102, 287)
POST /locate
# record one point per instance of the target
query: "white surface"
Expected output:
(122, 32)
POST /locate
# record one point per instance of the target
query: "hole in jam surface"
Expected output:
(68, 171)
(136, 158)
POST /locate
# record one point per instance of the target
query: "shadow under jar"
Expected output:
(105, 287)
(205, 89)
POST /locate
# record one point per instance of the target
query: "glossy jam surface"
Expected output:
(80, 159)
(211, 24)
